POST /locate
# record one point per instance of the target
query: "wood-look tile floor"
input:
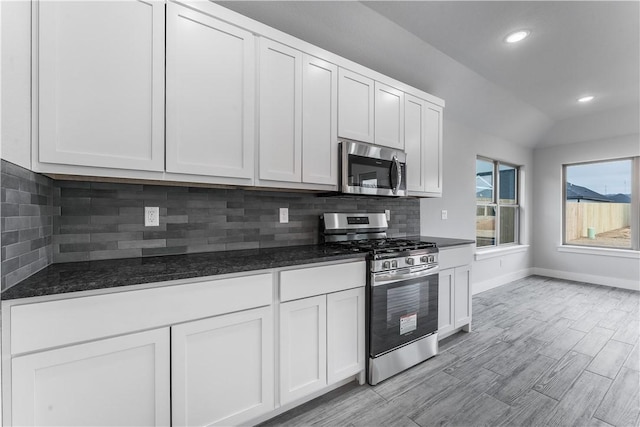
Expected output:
(543, 352)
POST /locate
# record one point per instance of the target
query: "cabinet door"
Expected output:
(423, 145)
(414, 142)
(446, 298)
(319, 122)
(345, 334)
(222, 369)
(355, 106)
(280, 141)
(117, 382)
(462, 306)
(210, 95)
(432, 159)
(303, 347)
(100, 84)
(389, 116)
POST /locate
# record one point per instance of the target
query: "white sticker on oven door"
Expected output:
(408, 323)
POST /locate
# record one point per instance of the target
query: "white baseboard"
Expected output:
(633, 285)
(485, 285)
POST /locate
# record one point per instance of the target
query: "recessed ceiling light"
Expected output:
(517, 36)
(586, 98)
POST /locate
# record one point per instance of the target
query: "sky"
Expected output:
(604, 178)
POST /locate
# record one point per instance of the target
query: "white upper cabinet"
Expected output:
(100, 84)
(319, 122)
(280, 142)
(423, 145)
(433, 150)
(298, 141)
(389, 116)
(355, 106)
(210, 96)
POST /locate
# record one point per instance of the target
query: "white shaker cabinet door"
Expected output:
(319, 122)
(423, 145)
(462, 305)
(355, 106)
(345, 334)
(280, 106)
(222, 369)
(446, 298)
(303, 347)
(210, 95)
(389, 116)
(414, 142)
(100, 84)
(119, 381)
(433, 150)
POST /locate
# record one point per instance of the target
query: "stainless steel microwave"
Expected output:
(372, 170)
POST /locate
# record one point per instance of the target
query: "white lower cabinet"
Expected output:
(303, 347)
(222, 369)
(321, 342)
(345, 334)
(186, 353)
(116, 382)
(454, 291)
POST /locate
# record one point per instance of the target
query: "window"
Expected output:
(598, 204)
(497, 208)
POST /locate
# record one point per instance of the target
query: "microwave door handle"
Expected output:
(396, 175)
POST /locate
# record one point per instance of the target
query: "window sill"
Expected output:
(620, 253)
(497, 252)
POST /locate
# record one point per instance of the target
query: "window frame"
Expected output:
(634, 220)
(495, 203)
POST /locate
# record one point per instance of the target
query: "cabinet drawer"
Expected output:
(296, 284)
(456, 256)
(55, 323)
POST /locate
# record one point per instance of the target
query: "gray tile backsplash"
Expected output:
(78, 221)
(100, 221)
(26, 218)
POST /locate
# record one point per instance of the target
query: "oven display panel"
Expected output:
(351, 220)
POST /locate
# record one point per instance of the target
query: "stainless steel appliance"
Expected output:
(372, 170)
(402, 292)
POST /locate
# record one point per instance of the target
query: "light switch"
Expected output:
(444, 214)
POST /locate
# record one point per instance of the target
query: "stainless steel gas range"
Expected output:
(402, 291)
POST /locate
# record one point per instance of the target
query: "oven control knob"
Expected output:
(424, 258)
(394, 264)
(410, 261)
(385, 265)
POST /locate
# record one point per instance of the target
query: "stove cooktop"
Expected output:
(386, 245)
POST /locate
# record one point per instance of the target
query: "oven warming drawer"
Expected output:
(399, 359)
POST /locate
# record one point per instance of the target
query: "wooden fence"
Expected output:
(601, 216)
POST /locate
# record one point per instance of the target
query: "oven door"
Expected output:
(402, 308)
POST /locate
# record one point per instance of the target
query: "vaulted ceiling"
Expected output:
(525, 93)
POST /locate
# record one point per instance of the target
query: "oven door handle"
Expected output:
(380, 279)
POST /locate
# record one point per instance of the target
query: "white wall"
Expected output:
(547, 212)
(462, 146)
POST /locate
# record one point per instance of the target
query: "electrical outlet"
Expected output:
(387, 213)
(444, 214)
(284, 215)
(151, 216)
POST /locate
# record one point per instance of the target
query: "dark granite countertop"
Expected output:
(94, 275)
(444, 242)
